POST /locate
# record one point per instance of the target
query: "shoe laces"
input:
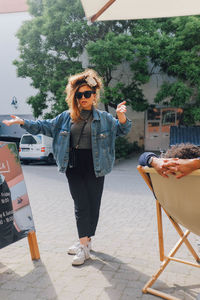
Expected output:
(83, 249)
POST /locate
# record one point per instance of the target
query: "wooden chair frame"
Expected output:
(165, 259)
(33, 245)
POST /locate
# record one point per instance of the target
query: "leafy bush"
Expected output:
(123, 147)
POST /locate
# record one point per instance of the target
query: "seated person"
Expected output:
(181, 158)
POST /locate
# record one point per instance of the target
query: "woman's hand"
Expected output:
(120, 111)
(14, 120)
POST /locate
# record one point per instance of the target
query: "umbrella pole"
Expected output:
(101, 11)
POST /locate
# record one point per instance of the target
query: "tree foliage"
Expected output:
(51, 45)
(178, 55)
(106, 55)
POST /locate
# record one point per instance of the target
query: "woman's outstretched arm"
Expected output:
(13, 121)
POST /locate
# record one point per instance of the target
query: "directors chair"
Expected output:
(180, 200)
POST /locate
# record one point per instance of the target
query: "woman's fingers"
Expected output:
(13, 117)
(122, 103)
(14, 120)
(6, 122)
(121, 107)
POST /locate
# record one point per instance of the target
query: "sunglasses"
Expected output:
(86, 94)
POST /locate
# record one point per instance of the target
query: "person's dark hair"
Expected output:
(183, 151)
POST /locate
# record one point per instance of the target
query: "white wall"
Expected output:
(10, 84)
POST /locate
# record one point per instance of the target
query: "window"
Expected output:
(28, 139)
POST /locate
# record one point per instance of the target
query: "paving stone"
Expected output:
(125, 248)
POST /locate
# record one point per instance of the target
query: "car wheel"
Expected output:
(50, 159)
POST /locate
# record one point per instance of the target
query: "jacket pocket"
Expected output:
(64, 133)
(104, 139)
(62, 141)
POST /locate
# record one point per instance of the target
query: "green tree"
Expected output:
(106, 55)
(51, 44)
(177, 53)
(136, 46)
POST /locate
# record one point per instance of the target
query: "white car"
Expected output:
(36, 148)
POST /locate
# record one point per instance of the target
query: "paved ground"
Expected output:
(125, 248)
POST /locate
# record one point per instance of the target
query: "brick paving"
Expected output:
(125, 249)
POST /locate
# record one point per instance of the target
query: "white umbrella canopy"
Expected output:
(102, 10)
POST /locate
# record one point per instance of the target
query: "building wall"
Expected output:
(11, 85)
(10, 6)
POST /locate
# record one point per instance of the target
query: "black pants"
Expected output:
(86, 190)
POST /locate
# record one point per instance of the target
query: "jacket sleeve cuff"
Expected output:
(24, 125)
(126, 123)
(144, 158)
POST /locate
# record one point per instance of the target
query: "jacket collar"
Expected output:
(95, 114)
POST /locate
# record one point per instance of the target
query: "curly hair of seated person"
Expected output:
(183, 151)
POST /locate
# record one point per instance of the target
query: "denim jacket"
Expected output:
(144, 158)
(104, 129)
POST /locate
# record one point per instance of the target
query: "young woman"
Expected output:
(84, 149)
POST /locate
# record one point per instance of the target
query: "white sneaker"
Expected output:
(74, 248)
(82, 254)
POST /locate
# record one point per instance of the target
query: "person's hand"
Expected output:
(158, 165)
(170, 165)
(183, 166)
(164, 167)
(14, 120)
(120, 111)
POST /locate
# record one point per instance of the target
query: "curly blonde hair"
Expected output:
(90, 78)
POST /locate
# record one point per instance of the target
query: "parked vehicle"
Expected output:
(36, 148)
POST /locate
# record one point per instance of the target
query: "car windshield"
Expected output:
(29, 139)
